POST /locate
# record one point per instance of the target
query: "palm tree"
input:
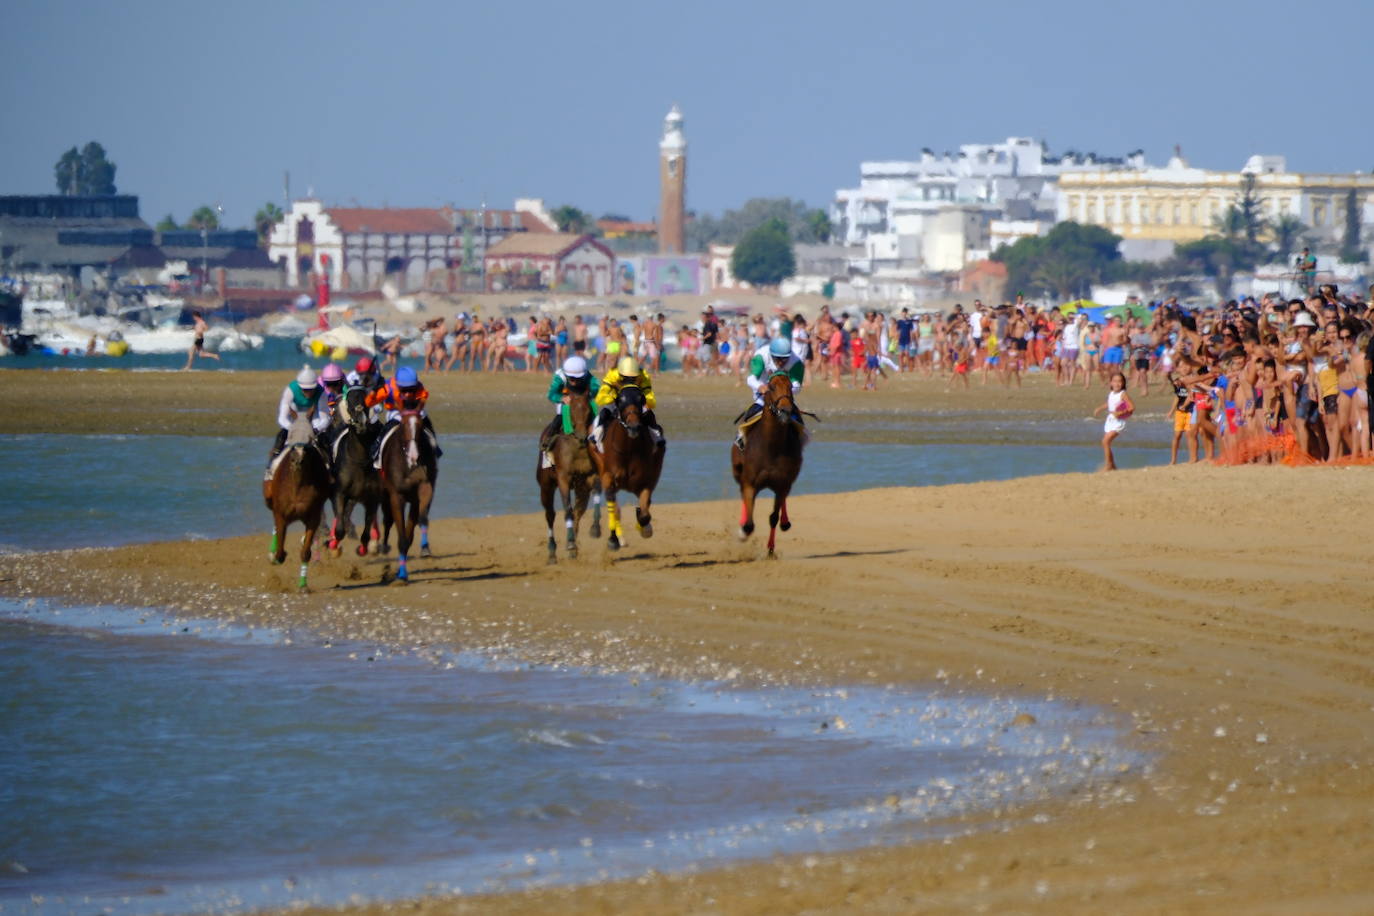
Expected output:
(204, 217)
(1286, 233)
(267, 217)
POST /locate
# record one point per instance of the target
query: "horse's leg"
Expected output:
(746, 510)
(398, 519)
(596, 509)
(612, 515)
(277, 552)
(369, 525)
(388, 519)
(422, 501)
(580, 492)
(642, 517)
(546, 490)
(312, 523)
(565, 490)
(773, 521)
(784, 524)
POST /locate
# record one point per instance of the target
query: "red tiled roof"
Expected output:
(390, 219)
(618, 225)
(542, 245)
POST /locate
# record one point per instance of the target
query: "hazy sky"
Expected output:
(434, 101)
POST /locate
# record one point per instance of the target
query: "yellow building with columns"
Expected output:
(1179, 203)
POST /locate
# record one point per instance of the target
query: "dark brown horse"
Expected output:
(357, 481)
(771, 459)
(297, 491)
(628, 459)
(409, 470)
(573, 476)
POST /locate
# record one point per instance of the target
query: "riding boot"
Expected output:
(740, 432)
(277, 445)
(376, 448)
(654, 429)
(554, 428)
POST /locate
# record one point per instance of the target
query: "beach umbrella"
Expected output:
(1068, 308)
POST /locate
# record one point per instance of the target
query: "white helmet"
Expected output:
(306, 378)
(575, 367)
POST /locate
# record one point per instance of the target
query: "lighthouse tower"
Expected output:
(672, 179)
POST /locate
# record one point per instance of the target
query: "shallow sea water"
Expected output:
(157, 765)
(69, 491)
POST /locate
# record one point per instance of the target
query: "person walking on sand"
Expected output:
(198, 345)
(1118, 408)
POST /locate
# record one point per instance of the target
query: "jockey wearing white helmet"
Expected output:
(301, 396)
(573, 377)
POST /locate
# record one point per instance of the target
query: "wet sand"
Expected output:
(1225, 613)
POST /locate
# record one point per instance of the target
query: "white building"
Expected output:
(359, 247)
(1017, 177)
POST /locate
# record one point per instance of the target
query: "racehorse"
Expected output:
(628, 459)
(572, 475)
(409, 470)
(297, 491)
(357, 480)
(771, 459)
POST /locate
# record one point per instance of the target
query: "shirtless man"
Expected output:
(1113, 347)
(872, 332)
(579, 336)
(653, 342)
(198, 345)
(1018, 330)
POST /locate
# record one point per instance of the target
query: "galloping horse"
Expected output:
(409, 470)
(572, 475)
(297, 491)
(628, 459)
(771, 459)
(357, 479)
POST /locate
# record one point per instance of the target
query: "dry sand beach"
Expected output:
(1224, 613)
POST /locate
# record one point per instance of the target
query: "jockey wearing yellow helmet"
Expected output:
(626, 372)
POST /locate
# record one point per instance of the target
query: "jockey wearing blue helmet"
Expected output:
(402, 392)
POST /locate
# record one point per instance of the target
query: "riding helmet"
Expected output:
(628, 367)
(331, 373)
(364, 365)
(406, 377)
(574, 367)
(306, 378)
(780, 347)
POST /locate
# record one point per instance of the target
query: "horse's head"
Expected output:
(353, 409)
(301, 432)
(778, 397)
(413, 436)
(580, 412)
(629, 405)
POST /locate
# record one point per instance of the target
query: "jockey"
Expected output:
(331, 396)
(301, 396)
(402, 392)
(626, 372)
(767, 362)
(572, 378)
(364, 375)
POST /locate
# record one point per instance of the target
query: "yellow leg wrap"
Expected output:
(613, 518)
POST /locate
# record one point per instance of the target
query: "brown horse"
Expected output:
(297, 491)
(572, 476)
(357, 480)
(628, 459)
(771, 459)
(409, 470)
